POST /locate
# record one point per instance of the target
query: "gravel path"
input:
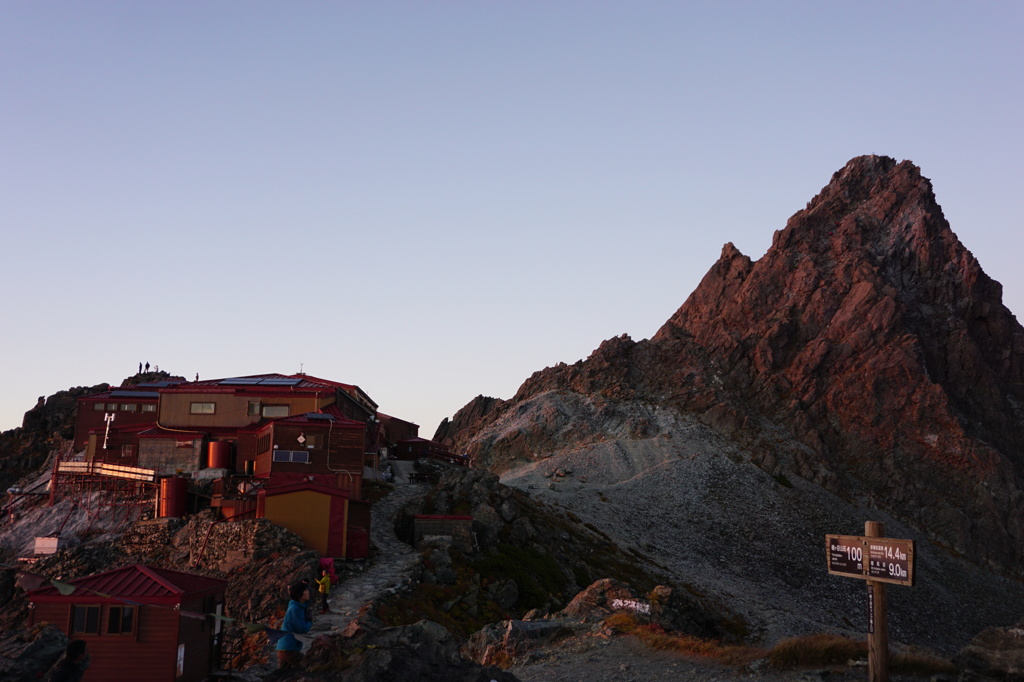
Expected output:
(390, 570)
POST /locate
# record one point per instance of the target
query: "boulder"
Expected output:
(424, 651)
(995, 652)
(502, 643)
(26, 655)
(602, 599)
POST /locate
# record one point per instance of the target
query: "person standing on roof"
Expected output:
(289, 649)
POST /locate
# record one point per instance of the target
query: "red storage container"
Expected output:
(173, 497)
(219, 455)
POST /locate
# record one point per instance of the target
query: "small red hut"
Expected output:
(141, 623)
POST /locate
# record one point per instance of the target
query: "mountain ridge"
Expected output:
(866, 352)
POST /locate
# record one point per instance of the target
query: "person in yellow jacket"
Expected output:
(324, 581)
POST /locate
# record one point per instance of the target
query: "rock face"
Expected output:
(866, 352)
(26, 655)
(996, 653)
(422, 651)
(48, 426)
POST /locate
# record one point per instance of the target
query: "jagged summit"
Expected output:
(866, 352)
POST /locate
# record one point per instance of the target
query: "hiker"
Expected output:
(325, 589)
(72, 667)
(289, 649)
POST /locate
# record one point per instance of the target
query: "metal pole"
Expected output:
(878, 636)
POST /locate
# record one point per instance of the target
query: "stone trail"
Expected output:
(391, 569)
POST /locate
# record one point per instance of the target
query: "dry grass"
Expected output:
(797, 652)
(656, 638)
(826, 649)
(815, 650)
(921, 664)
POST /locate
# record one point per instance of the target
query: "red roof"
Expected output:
(139, 582)
(305, 485)
(387, 417)
(260, 383)
(326, 418)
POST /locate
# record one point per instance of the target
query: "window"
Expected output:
(128, 407)
(254, 409)
(275, 410)
(85, 620)
(315, 441)
(127, 450)
(203, 408)
(121, 620)
(112, 407)
(296, 456)
(99, 407)
(149, 408)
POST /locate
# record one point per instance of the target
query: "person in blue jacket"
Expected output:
(289, 649)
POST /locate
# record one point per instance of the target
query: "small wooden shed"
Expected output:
(141, 623)
(318, 513)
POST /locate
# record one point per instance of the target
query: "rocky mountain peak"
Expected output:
(866, 351)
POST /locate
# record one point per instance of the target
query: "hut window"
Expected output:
(254, 409)
(263, 444)
(99, 407)
(127, 450)
(275, 410)
(128, 407)
(203, 408)
(121, 620)
(149, 408)
(85, 620)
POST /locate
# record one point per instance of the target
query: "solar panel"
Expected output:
(319, 415)
(134, 394)
(240, 381)
(282, 381)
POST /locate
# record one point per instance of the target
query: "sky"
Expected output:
(435, 200)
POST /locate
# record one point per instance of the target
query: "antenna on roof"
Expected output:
(107, 417)
(300, 368)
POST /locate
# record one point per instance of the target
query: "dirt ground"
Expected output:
(625, 659)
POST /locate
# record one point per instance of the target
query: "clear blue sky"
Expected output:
(434, 200)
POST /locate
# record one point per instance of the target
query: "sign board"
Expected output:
(884, 560)
(845, 555)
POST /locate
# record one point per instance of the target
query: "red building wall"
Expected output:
(147, 656)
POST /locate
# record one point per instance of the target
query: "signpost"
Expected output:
(885, 560)
(877, 560)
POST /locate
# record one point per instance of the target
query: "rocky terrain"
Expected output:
(864, 368)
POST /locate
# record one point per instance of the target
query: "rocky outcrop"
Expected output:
(866, 352)
(26, 655)
(422, 651)
(530, 557)
(501, 644)
(995, 653)
(506, 642)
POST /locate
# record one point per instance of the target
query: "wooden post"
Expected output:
(878, 639)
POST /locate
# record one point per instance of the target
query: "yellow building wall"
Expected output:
(306, 513)
(230, 409)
